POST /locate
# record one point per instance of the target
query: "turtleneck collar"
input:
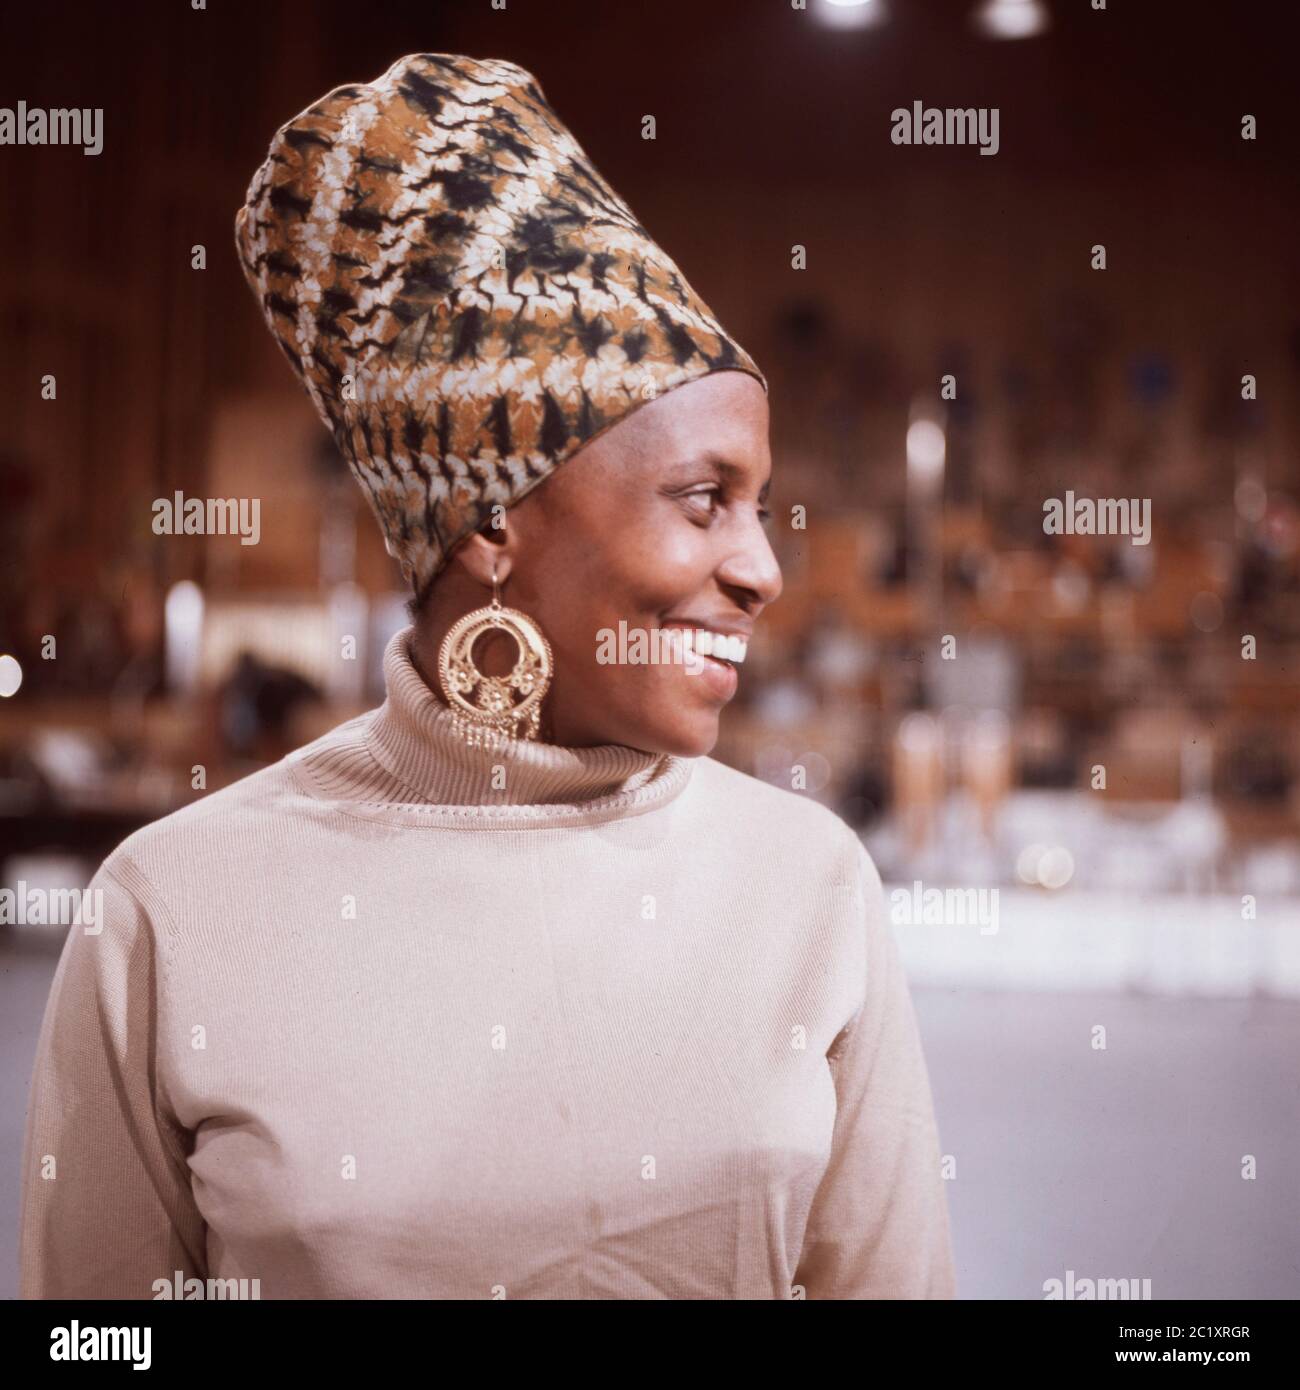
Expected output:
(411, 737)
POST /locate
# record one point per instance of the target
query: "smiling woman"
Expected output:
(440, 1006)
(625, 533)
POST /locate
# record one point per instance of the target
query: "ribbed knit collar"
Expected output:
(411, 737)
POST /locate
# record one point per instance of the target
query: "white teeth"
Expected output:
(719, 644)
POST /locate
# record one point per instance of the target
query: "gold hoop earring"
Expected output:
(485, 712)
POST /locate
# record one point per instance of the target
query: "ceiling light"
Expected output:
(1011, 19)
(849, 14)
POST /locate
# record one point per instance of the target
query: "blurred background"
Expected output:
(1105, 733)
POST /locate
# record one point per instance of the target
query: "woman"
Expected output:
(507, 988)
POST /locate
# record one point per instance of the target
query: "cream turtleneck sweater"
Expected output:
(377, 1023)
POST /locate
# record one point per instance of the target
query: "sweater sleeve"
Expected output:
(106, 1204)
(878, 1227)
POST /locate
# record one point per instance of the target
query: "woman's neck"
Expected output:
(413, 737)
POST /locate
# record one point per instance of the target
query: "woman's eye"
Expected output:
(713, 494)
(707, 500)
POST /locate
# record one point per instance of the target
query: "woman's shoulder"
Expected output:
(225, 828)
(786, 820)
(250, 795)
(261, 797)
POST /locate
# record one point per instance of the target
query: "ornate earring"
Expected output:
(485, 711)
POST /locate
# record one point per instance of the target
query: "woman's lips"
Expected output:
(716, 675)
(720, 679)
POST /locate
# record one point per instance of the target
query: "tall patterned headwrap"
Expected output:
(465, 298)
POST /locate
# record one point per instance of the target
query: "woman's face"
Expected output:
(658, 523)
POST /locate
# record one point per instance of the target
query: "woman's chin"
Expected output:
(688, 737)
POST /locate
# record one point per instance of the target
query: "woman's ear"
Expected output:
(490, 546)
